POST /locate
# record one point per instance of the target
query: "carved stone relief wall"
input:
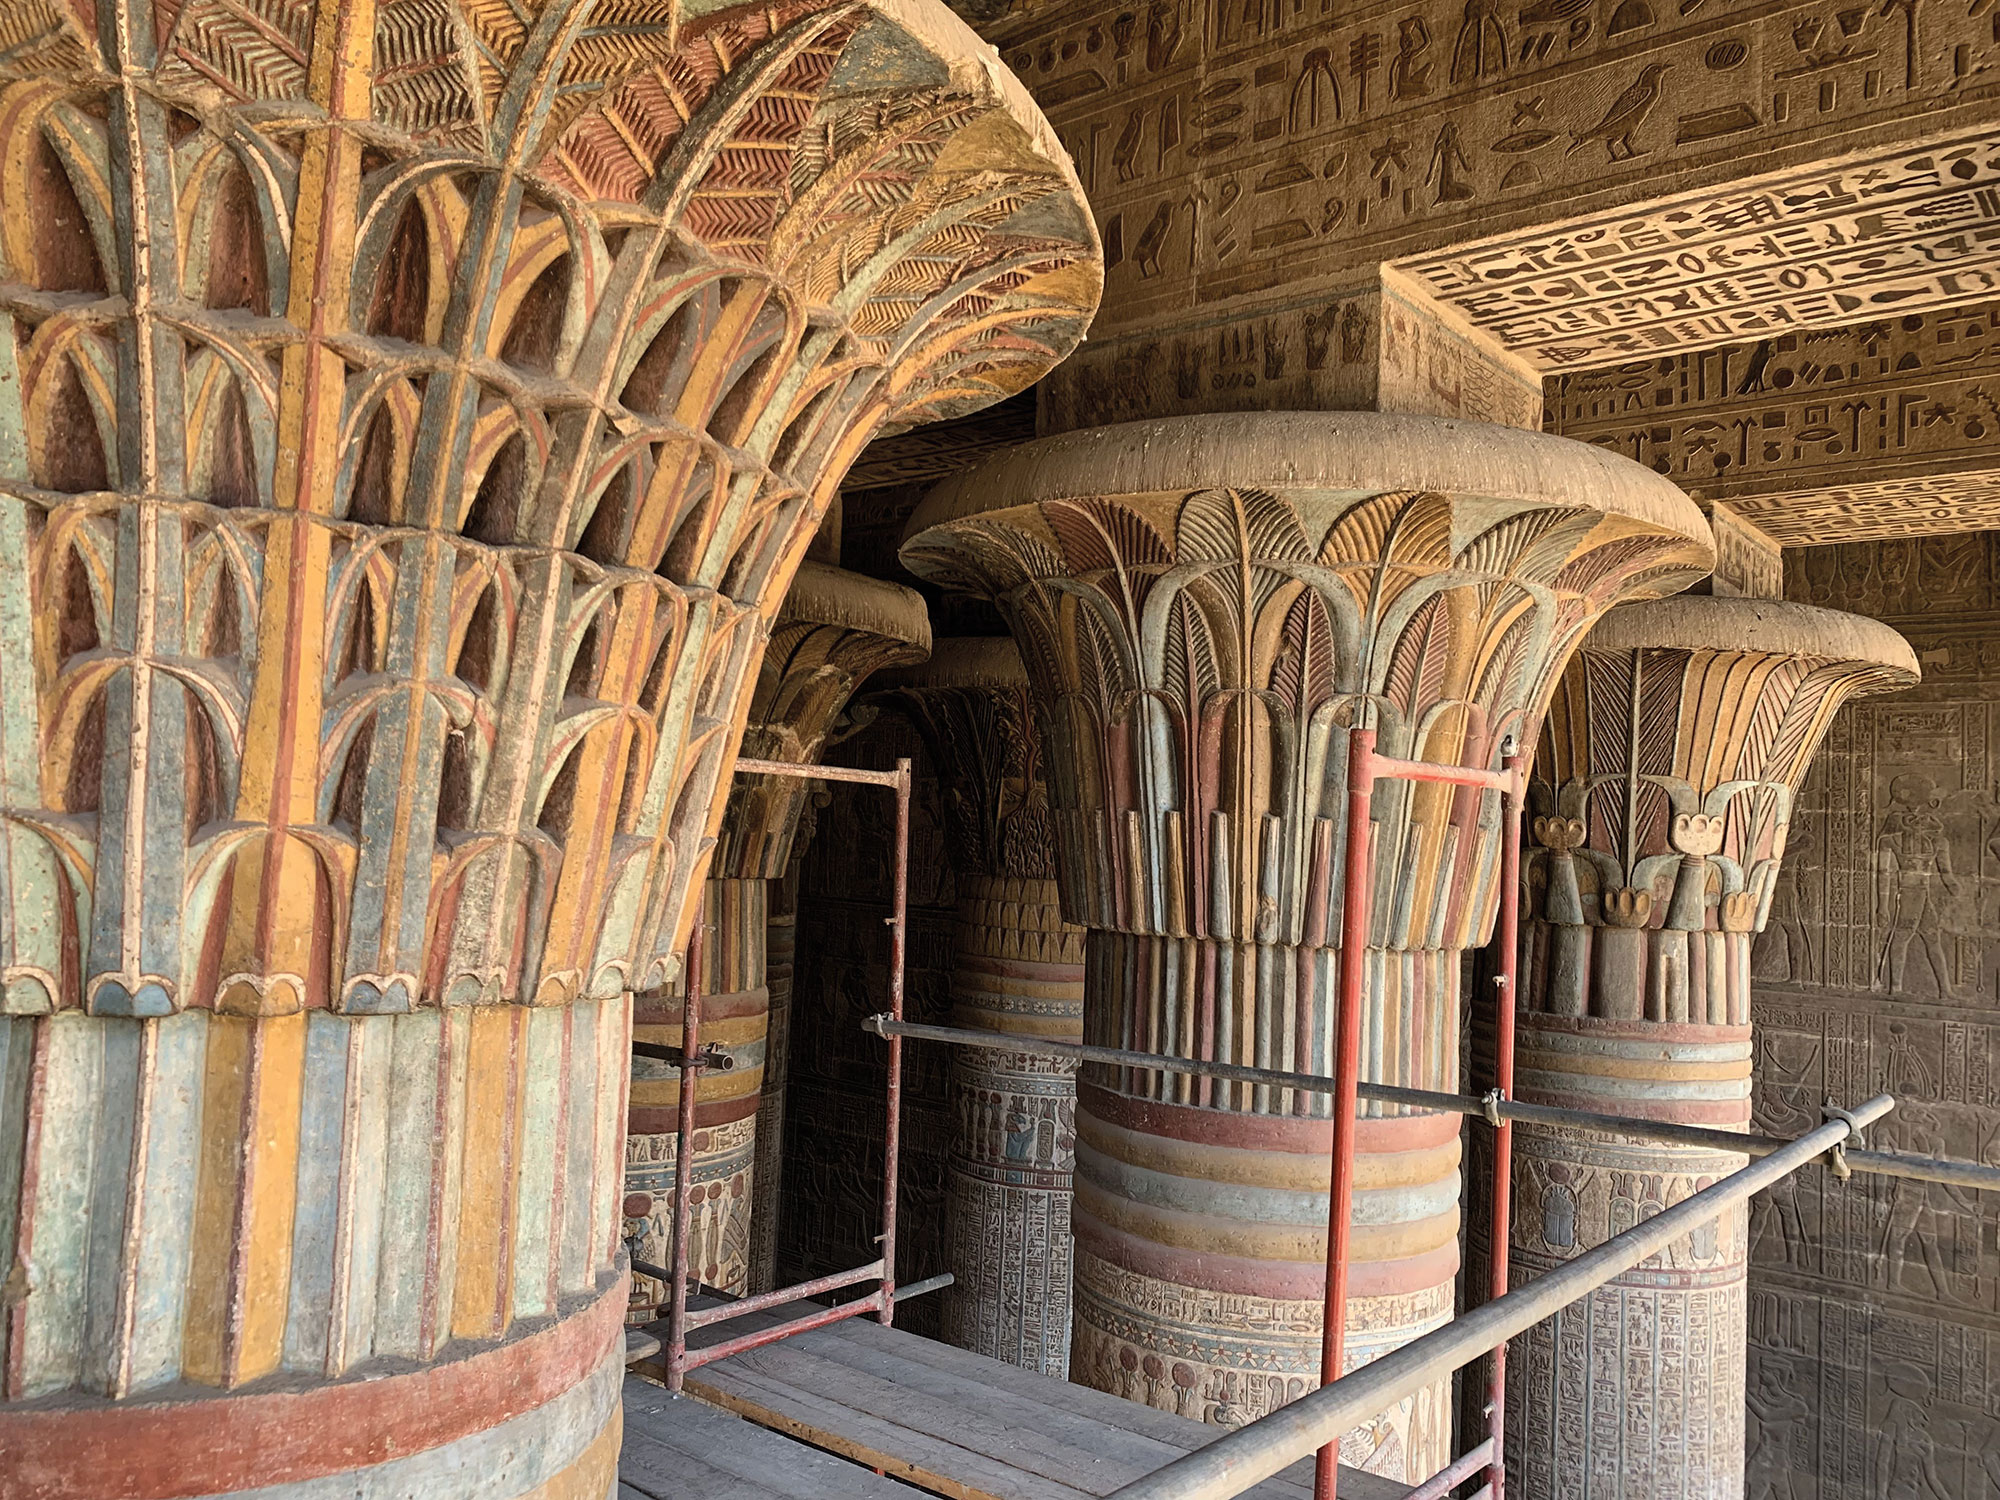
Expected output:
(1881, 428)
(1868, 234)
(1246, 156)
(1874, 1311)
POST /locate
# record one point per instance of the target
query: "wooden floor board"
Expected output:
(687, 1449)
(958, 1424)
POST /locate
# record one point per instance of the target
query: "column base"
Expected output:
(538, 1415)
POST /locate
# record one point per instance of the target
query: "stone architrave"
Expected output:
(1017, 968)
(1203, 604)
(412, 417)
(834, 629)
(1663, 791)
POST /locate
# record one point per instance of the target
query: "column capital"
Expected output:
(1201, 602)
(1663, 789)
(833, 631)
(972, 704)
(1662, 796)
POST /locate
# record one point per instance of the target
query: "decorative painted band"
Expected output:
(737, 1022)
(1295, 1172)
(665, 1119)
(166, 1450)
(1686, 1073)
(1723, 1114)
(664, 1009)
(1034, 971)
(1198, 1212)
(1710, 1040)
(1299, 1279)
(1289, 1133)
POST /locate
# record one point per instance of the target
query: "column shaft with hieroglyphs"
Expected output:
(1664, 783)
(833, 630)
(413, 414)
(1017, 968)
(1203, 606)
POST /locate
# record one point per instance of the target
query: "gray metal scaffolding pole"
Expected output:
(1233, 1463)
(1878, 1163)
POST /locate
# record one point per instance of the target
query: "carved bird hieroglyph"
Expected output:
(1626, 114)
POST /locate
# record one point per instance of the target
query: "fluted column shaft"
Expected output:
(1203, 606)
(1673, 747)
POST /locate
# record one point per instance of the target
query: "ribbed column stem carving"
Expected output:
(1663, 791)
(1202, 606)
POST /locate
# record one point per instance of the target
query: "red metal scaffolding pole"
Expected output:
(684, 1157)
(1364, 769)
(1356, 888)
(882, 1300)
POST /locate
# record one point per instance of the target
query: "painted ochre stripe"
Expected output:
(1269, 1169)
(1242, 1275)
(1306, 1244)
(1255, 1132)
(1401, 1203)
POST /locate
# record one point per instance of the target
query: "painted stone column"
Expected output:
(410, 423)
(833, 630)
(1017, 968)
(1202, 605)
(1664, 783)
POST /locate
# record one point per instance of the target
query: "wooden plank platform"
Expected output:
(962, 1425)
(689, 1450)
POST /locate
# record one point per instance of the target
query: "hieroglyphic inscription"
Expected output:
(1243, 147)
(1869, 234)
(1783, 428)
(1875, 1303)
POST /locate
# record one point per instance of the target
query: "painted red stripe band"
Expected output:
(1244, 1131)
(731, 1006)
(653, 1119)
(1293, 1281)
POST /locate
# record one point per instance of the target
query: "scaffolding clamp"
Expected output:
(709, 1055)
(1836, 1158)
(1490, 1104)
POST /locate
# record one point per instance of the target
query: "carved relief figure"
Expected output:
(1914, 881)
(1905, 1452)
